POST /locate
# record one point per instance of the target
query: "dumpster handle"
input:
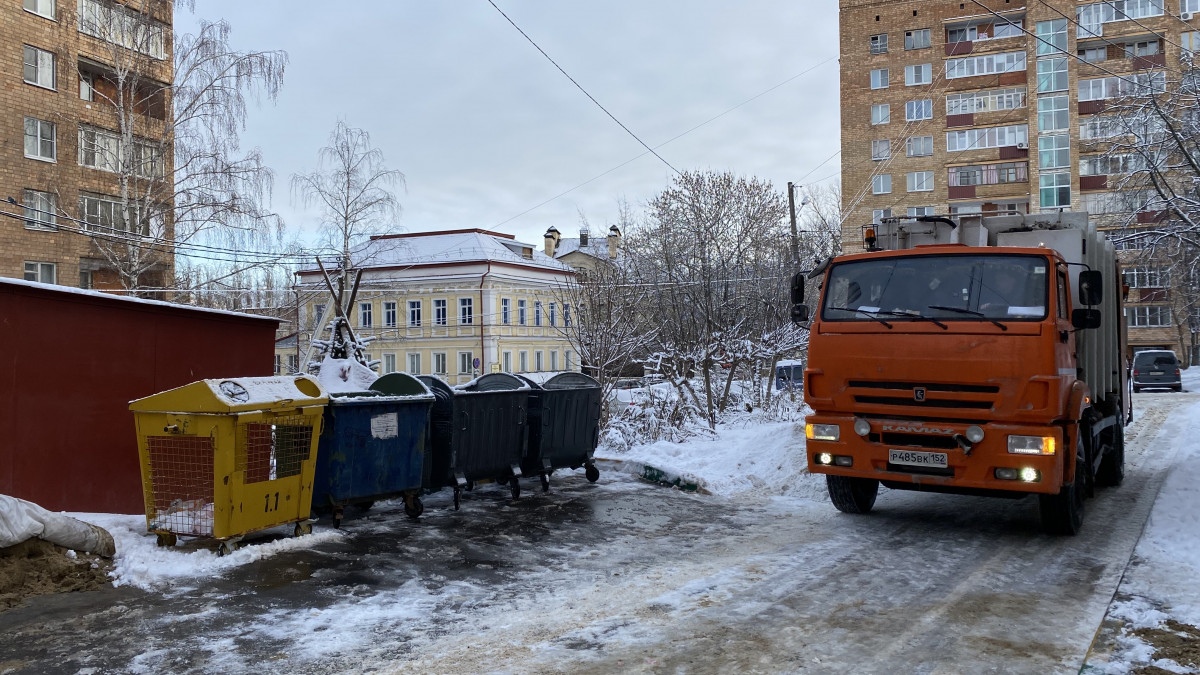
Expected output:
(466, 420)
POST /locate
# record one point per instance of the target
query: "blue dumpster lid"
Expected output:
(493, 382)
(570, 381)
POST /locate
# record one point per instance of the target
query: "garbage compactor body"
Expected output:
(564, 424)
(375, 445)
(223, 458)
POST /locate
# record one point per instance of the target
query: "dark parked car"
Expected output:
(1156, 369)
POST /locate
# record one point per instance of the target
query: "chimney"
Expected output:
(583, 239)
(551, 241)
(614, 240)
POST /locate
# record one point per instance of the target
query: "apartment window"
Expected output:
(40, 7)
(389, 314)
(566, 315)
(1012, 28)
(85, 279)
(918, 211)
(1092, 17)
(125, 27)
(40, 209)
(553, 361)
(879, 44)
(364, 314)
(538, 363)
(1100, 127)
(881, 113)
(414, 313)
(1144, 48)
(439, 363)
(1052, 74)
(879, 78)
(1122, 164)
(505, 314)
(919, 146)
(1055, 190)
(1094, 54)
(918, 110)
(918, 74)
(552, 317)
(318, 312)
(101, 149)
(1144, 276)
(87, 86)
(987, 64)
(1053, 113)
(507, 357)
(43, 272)
(293, 364)
(1051, 36)
(464, 363)
(989, 174)
(39, 67)
(99, 212)
(439, 314)
(524, 362)
(414, 363)
(1148, 316)
(389, 363)
(466, 311)
(1189, 6)
(919, 39)
(567, 361)
(985, 101)
(537, 313)
(1137, 84)
(881, 185)
(1190, 41)
(41, 139)
(879, 214)
(881, 149)
(967, 34)
(920, 181)
(990, 137)
(521, 312)
(1054, 152)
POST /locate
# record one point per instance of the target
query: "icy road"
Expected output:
(624, 576)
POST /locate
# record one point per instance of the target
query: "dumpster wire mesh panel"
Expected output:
(181, 484)
(273, 450)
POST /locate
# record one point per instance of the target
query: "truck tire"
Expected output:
(852, 495)
(1063, 513)
(1112, 467)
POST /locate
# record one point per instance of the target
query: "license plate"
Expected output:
(937, 460)
(1156, 372)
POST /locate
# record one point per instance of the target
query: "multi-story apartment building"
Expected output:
(981, 106)
(63, 150)
(457, 304)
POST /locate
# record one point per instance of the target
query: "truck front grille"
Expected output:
(935, 394)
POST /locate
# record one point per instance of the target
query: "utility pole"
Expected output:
(795, 235)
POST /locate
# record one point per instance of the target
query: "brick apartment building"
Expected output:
(981, 106)
(60, 145)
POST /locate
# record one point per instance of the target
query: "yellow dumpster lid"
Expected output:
(236, 394)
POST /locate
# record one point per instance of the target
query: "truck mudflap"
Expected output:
(943, 456)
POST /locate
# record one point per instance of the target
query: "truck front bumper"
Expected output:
(929, 454)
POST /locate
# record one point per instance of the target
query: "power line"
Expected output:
(585, 92)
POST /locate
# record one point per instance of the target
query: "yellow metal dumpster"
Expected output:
(222, 458)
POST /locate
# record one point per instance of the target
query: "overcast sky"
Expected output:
(485, 128)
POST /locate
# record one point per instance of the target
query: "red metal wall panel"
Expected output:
(69, 365)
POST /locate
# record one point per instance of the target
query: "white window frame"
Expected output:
(987, 137)
(1190, 40)
(1054, 113)
(414, 362)
(127, 28)
(1054, 152)
(414, 313)
(389, 363)
(918, 74)
(1093, 54)
(881, 184)
(506, 357)
(366, 314)
(505, 311)
(1057, 186)
(879, 214)
(440, 312)
(41, 272)
(553, 361)
(920, 109)
(917, 211)
(522, 312)
(879, 43)
(87, 86)
(1149, 316)
(881, 113)
(566, 315)
(1147, 276)
(919, 38)
(986, 101)
(1051, 37)
(881, 149)
(389, 313)
(36, 130)
(985, 64)
(523, 357)
(537, 313)
(439, 363)
(1052, 75)
(918, 146)
(539, 361)
(466, 311)
(465, 366)
(40, 210)
(879, 78)
(43, 8)
(920, 181)
(44, 66)
(552, 314)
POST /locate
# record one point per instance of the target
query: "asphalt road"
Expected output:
(623, 576)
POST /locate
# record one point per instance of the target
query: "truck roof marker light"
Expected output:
(869, 239)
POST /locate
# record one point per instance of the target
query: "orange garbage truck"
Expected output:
(983, 355)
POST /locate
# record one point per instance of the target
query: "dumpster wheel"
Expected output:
(457, 496)
(302, 528)
(228, 546)
(417, 507)
(514, 486)
(337, 517)
(545, 482)
(592, 473)
(166, 539)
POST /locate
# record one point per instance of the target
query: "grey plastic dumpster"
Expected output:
(478, 432)
(564, 426)
(374, 445)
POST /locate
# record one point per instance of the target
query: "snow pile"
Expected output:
(140, 562)
(767, 459)
(340, 376)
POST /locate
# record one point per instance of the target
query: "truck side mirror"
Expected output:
(1091, 287)
(799, 313)
(1085, 319)
(798, 288)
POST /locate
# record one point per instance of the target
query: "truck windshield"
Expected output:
(985, 287)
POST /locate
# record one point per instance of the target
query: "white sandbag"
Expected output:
(21, 520)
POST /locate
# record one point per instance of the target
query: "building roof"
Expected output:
(451, 247)
(597, 247)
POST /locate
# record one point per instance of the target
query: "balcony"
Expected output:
(964, 120)
(1091, 107)
(1146, 217)
(1093, 182)
(1151, 61)
(1013, 152)
(959, 48)
(962, 192)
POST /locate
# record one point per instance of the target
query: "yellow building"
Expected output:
(457, 304)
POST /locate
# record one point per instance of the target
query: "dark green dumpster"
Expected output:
(374, 445)
(478, 432)
(564, 426)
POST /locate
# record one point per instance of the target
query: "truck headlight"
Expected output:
(822, 432)
(1031, 445)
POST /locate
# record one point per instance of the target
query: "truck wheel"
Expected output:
(1063, 513)
(1112, 467)
(852, 495)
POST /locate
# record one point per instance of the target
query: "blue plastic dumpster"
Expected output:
(374, 446)
(478, 432)
(564, 426)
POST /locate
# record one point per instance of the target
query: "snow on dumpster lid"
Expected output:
(236, 394)
(344, 376)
